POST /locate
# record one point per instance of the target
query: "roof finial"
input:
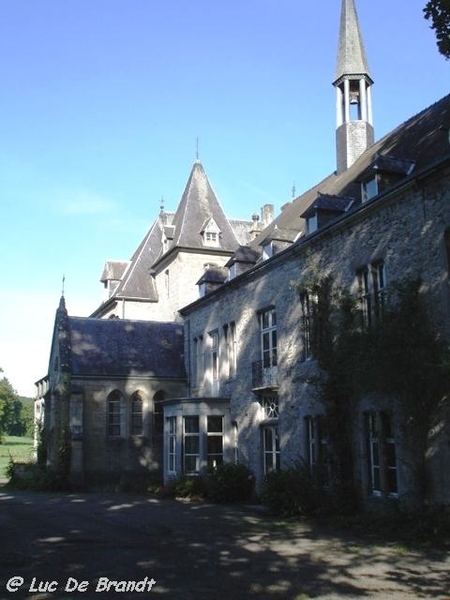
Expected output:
(293, 190)
(196, 149)
(63, 285)
(161, 206)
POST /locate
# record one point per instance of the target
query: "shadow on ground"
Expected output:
(197, 551)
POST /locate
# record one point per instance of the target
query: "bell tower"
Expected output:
(354, 121)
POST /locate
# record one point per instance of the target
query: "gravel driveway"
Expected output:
(112, 546)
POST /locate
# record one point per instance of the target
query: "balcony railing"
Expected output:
(264, 377)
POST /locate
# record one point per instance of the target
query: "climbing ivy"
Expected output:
(400, 356)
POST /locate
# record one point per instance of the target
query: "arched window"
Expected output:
(114, 414)
(136, 414)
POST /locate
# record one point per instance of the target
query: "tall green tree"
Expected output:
(438, 13)
(15, 416)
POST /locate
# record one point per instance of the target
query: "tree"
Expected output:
(16, 415)
(438, 13)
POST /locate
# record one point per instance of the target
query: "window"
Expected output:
(268, 324)
(372, 283)
(214, 441)
(214, 364)
(211, 234)
(312, 223)
(136, 414)
(229, 333)
(171, 444)
(381, 454)
(114, 414)
(199, 360)
(270, 406)
(271, 449)
(268, 250)
(316, 445)
(369, 189)
(307, 302)
(191, 444)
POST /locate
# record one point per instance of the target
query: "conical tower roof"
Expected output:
(198, 205)
(351, 59)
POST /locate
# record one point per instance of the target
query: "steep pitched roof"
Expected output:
(351, 59)
(198, 204)
(118, 347)
(422, 140)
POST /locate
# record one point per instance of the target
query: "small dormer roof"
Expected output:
(388, 164)
(279, 235)
(328, 203)
(214, 274)
(244, 254)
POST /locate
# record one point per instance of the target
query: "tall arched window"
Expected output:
(136, 414)
(114, 414)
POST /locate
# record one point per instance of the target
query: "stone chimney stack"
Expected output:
(267, 214)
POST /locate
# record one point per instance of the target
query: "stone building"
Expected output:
(245, 387)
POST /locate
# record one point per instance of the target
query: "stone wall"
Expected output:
(405, 229)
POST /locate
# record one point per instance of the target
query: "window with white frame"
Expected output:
(271, 448)
(270, 406)
(114, 414)
(381, 454)
(214, 440)
(211, 234)
(268, 325)
(191, 444)
(171, 424)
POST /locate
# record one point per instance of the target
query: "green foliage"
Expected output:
(292, 492)
(16, 414)
(31, 476)
(438, 13)
(230, 483)
(223, 484)
(399, 356)
(188, 487)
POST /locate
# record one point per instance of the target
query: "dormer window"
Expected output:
(312, 223)
(383, 172)
(369, 189)
(211, 233)
(267, 250)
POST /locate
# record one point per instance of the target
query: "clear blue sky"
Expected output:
(101, 102)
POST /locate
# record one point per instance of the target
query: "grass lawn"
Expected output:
(20, 448)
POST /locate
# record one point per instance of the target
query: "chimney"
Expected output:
(267, 214)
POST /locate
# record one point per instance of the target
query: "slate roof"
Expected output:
(328, 202)
(197, 205)
(423, 140)
(351, 58)
(118, 347)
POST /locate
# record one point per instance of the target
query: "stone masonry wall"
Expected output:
(404, 230)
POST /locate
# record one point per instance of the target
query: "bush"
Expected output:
(34, 477)
(291, 492)
(230, 483)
